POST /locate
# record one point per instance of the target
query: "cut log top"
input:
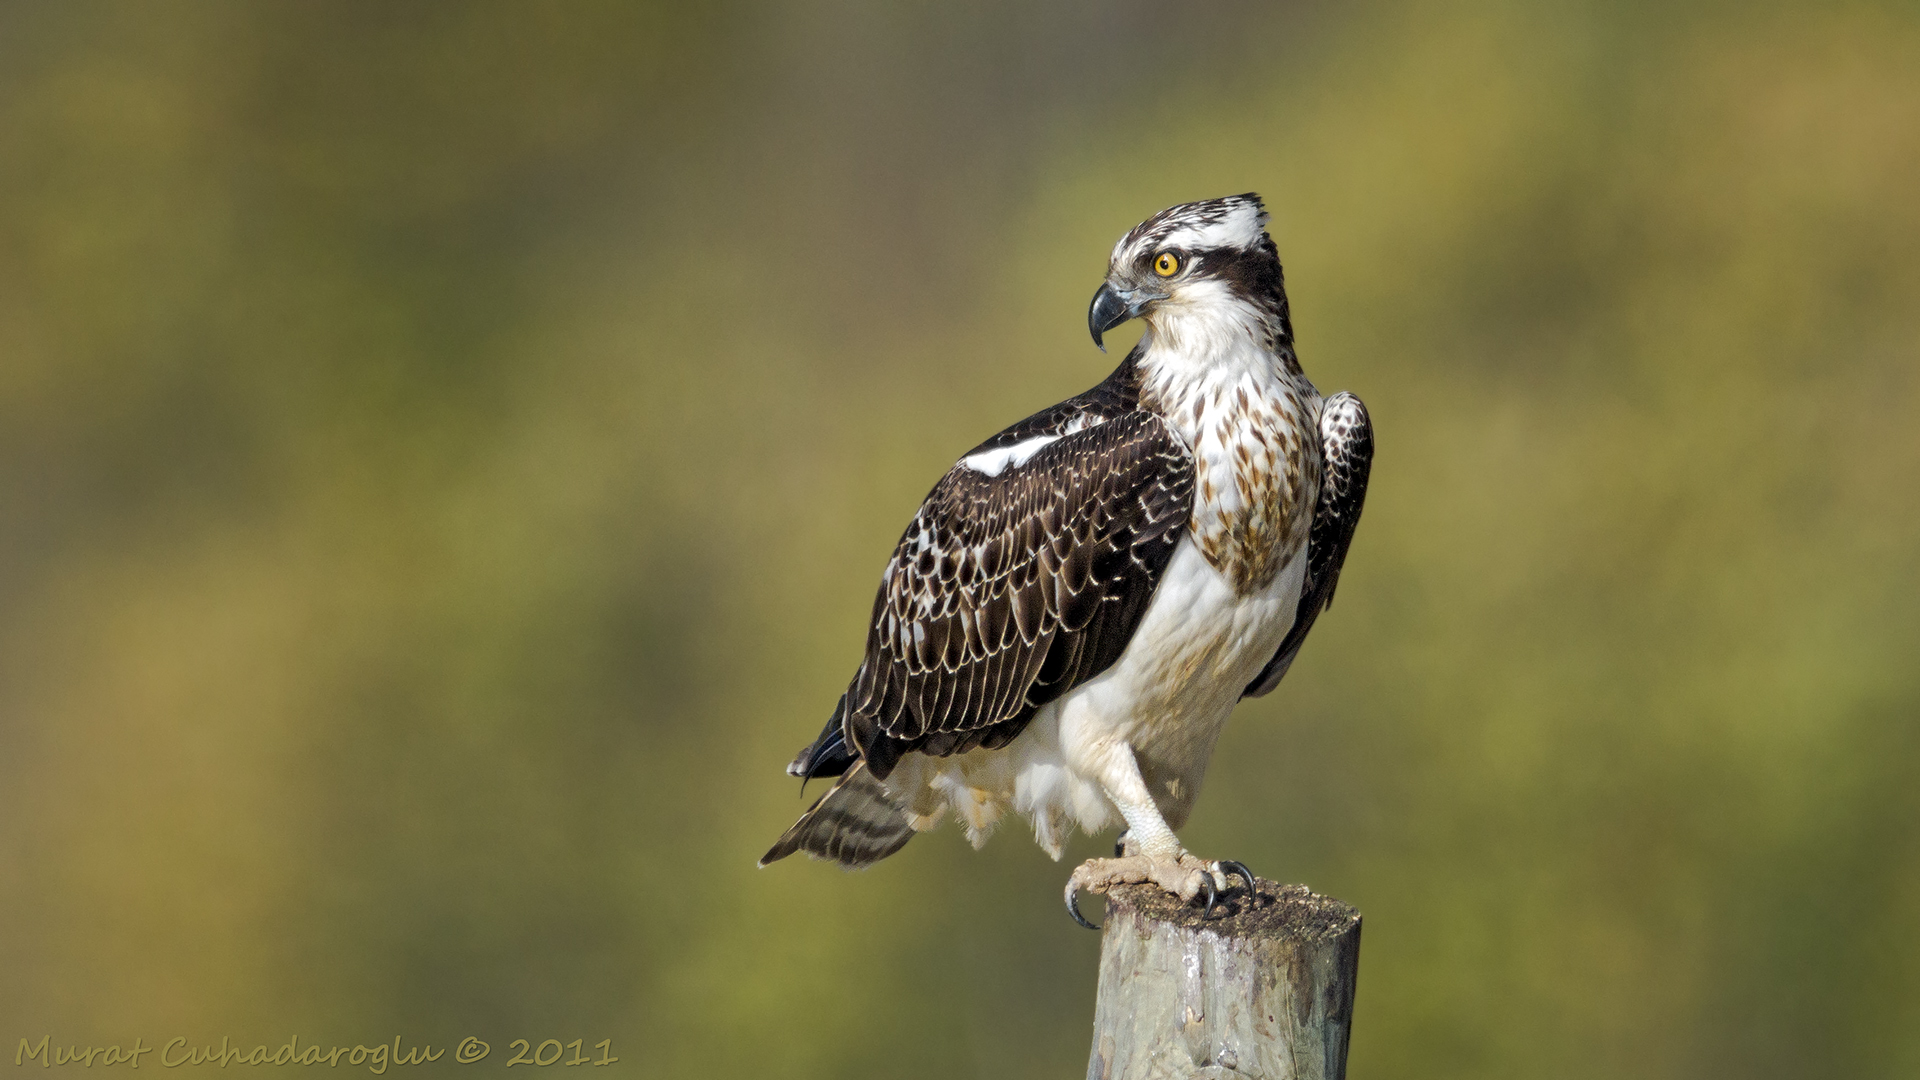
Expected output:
(1280, 911)
(1264, 988)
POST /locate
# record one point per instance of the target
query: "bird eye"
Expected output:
(1166, 264)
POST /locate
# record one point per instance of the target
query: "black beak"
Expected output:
(1109, 310)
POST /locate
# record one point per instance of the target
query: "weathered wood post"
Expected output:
(1264, 989)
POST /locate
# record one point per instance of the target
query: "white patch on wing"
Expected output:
(1000, 459)
(996, 461)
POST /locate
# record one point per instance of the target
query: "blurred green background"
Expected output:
(447, 453)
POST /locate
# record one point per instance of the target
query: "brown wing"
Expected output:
(1009, 590)
(1346, 447)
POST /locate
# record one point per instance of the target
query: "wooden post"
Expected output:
(1262, 989)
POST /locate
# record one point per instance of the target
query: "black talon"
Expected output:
(1119, 849)
(1073, 907)
(1212, 895)
(1239, 870)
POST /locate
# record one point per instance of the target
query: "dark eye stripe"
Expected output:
(1252, 273)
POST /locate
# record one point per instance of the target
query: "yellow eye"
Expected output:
(1166, 264)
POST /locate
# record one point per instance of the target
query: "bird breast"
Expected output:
(1255, 477)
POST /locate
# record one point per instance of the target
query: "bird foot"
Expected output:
(1185, 876)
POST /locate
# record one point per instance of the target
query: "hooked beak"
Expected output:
(1112, 306)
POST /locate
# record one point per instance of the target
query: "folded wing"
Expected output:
(1023, 575)
(1346, 447)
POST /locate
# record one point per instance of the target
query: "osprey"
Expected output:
(1076, 608)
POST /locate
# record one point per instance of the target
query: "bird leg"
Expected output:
(1148, 850)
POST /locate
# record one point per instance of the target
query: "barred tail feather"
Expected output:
(856, 824)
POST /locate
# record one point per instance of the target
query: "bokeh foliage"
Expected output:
(446, 453)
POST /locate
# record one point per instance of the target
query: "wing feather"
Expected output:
(1346, 447)
(1009, 589)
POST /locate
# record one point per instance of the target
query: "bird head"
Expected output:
(1188, 259)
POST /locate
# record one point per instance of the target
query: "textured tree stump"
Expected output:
(1264, 989)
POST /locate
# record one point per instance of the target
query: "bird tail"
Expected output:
(856, 824)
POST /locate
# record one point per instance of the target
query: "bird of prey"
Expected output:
(1081, 601)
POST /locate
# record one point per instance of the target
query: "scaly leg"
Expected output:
(1148, 850)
